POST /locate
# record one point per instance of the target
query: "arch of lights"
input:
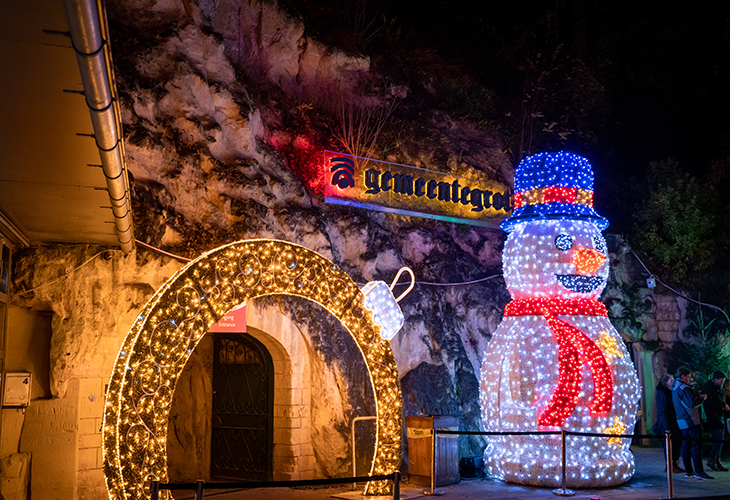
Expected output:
(171, 324)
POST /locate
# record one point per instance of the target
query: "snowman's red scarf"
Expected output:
(574, 350)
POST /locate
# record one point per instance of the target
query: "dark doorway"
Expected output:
(243, 404)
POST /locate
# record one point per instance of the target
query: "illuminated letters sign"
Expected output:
(402, 189)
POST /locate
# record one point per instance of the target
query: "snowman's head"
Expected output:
(555, 259)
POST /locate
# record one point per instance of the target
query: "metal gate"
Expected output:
(243, 400)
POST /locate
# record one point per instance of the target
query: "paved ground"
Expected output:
(649, 482)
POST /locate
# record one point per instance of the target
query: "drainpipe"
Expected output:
(93, 54)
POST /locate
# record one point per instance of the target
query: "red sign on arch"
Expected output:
(234, 321)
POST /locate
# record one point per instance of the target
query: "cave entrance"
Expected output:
(173, 322)
(242, 413)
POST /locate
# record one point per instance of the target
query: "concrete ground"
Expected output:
(649, 482)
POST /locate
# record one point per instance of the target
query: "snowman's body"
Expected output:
(555, 269)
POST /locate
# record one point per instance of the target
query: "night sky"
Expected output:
(664, 67)
(662, 70)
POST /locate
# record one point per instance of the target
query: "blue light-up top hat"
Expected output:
(553, 186)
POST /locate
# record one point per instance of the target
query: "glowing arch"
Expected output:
(171, 324)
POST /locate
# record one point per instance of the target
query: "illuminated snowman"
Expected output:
(556, 362)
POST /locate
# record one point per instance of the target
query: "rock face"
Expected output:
(94, 294)
(14, 475)
(203, 95)
(651, 319)
(204, 89)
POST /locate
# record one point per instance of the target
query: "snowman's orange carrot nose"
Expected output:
(587, 260)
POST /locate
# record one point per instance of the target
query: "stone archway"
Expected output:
(171, 324)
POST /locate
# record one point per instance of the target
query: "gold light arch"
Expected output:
(172, 323)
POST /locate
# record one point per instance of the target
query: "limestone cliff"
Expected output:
(222, 102)
(211, 91)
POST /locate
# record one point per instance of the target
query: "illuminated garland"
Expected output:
(616, 428)
(554, 186)
(571, 307)
(171, 324)
(554, 194)
(521, 371)
(609, 346)
(587, 260)
(549, 260)
(562, 169)
(575, 344)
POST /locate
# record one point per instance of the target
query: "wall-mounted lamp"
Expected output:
(380, 300)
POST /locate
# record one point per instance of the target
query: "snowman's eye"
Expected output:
(563, 242)
(600, 244)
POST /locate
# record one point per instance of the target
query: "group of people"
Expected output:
(680, 410)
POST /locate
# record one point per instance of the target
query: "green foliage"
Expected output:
(675, 225)
(703, 328)
(702, 358)
(360, 122)
(704, 348)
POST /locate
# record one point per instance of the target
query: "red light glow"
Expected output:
(574, 350)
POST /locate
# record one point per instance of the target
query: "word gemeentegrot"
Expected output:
(377, 181)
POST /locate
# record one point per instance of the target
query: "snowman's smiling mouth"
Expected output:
(579, 283)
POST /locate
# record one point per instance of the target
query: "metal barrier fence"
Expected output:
(200, 486)
(563, 491)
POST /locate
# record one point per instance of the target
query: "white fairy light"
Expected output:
(557, 255)
(380, 300)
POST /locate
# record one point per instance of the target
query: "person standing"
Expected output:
(716, 409)
(687, 406)
(666, 419)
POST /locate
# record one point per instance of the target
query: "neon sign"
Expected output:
(402, 189)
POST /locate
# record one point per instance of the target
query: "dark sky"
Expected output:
(664, 64)
(663, 67)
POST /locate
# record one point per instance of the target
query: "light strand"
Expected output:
(153, 355)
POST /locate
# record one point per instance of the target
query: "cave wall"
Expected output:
(205, 88)
(207, 92)
(85, 299)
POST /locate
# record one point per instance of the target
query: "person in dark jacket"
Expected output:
(716, 409)
(666, 419)
(687, 406)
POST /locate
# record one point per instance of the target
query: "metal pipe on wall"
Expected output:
(94, 59)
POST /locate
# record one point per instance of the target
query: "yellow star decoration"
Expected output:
(616, 428)
(608, 345)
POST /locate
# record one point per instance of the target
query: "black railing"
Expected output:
(563, 491)
(199, 487)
